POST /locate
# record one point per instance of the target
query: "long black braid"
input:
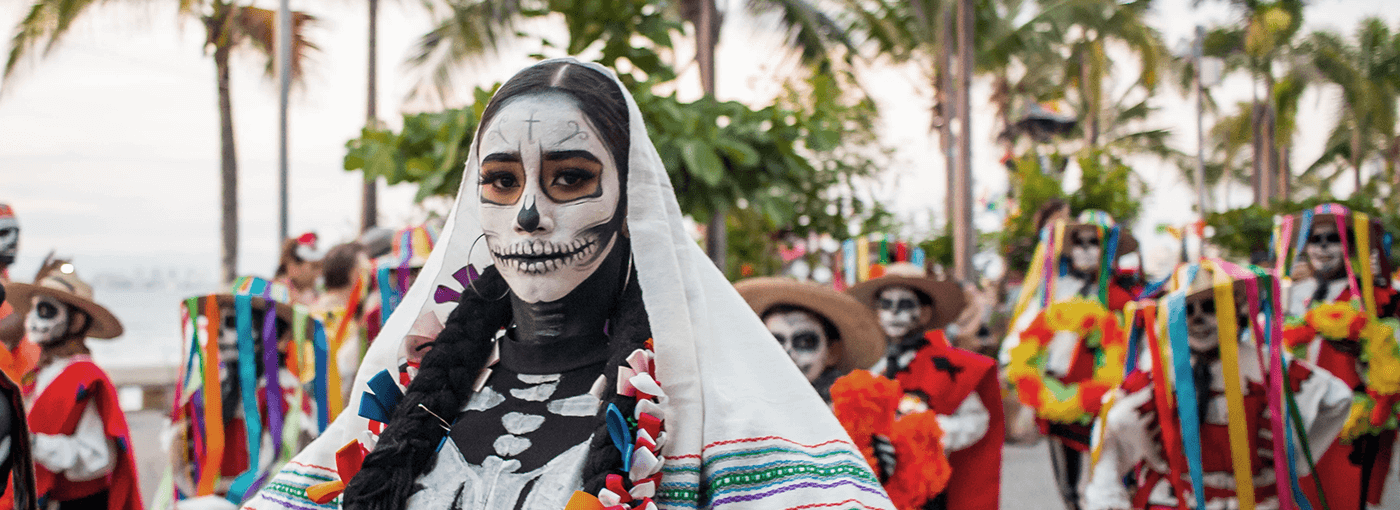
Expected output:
(408, 445)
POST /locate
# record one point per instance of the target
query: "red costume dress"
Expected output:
(56, 409)
(944, 377)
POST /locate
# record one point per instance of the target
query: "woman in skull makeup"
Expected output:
(600, 360)
(1141, 433)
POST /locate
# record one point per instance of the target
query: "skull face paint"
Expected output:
(9, 240)
(549, 192)
(1324, 250)
(899, 311)
(1085, 251)
(47, 321)
(1202, 328)
(803, 337)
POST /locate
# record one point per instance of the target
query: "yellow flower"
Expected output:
(1356, 423)
(1111, 372)
(1062, 411)
(1078, 315)
(1383, 374)
(1021, 356)
(1332, 320)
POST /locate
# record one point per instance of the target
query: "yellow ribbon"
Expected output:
(1234, 396)
(1362, 227)
(862, 259)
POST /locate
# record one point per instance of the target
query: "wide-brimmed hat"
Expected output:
(862, 341)
(259, 290)
(947, 295)
(64, 285)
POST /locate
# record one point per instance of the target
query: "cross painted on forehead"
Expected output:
(530, 133)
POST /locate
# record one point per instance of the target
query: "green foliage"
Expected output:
(1106, 183)
(1248, 231)
(430, 150)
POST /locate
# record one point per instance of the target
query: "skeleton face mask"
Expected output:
(899, 311)
(1202, 322)
(1325, 250)
(549, 192)
(47, 321)
(802, 336)
(9, 240)
(1085, 251)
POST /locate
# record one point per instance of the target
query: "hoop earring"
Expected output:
(472, 282)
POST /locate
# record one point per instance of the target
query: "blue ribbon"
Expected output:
(378, 403)
(323, 416)
(388, 300)
(1186, 390)
(621, 436)
(248, 386)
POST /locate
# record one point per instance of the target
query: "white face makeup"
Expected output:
(1202, 330)
(1085, 251)
(1324, 250)
(549, 189)
(9, 240)
(899, 311)
(804, 339)
(47, 321)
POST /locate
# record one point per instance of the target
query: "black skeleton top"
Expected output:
(521, 440)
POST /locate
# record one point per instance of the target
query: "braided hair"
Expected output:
(408, 446)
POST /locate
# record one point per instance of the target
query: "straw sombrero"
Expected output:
(947, 296)
(862, 342)
(64, 285)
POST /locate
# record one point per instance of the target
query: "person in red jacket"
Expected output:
(959, 385)
(81, 447)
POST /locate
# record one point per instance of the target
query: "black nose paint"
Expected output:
(528, 218)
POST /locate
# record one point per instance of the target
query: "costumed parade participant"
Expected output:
(345, 271)
(1200, 425)
(826, 333)
(958, 389)
(16, 459)
(299, 267)
(1343, 318)
(1063, 376)
(586, 355)
(19, 354)
(266, 362)
(81, 446)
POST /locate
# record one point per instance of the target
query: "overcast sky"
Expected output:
(109, 144)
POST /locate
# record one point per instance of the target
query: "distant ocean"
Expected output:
(151, 318)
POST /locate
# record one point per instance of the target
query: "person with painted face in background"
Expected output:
(299, 268)
(19, 354)
(1072, 261)
(826, 333)
(81, 447)
(590, 355)
(1354, 471)
(1141, 436)
(958, 385)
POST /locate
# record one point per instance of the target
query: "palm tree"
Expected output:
(1368, 73)
(227, 25)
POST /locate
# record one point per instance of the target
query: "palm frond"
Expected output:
(812, 30)
(45, 24)
(470, 33)
(257, 27)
